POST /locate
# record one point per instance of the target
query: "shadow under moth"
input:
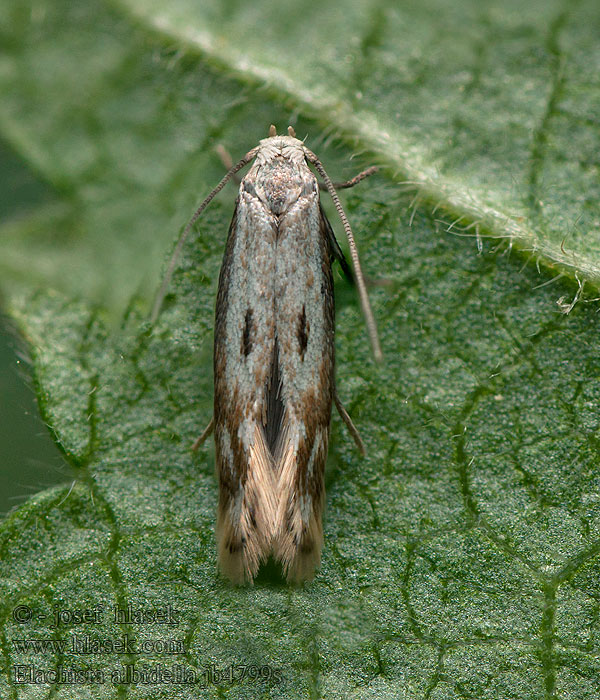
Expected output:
(274, 353)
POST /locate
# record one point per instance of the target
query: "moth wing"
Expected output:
(305, 337)
(299, 531)
(244, 347)
(274, 369)
(245, 518)
(335, 249)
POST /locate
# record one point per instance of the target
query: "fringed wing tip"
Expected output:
(239, 560)
(306, 557)
(245, 521)
(268, 520)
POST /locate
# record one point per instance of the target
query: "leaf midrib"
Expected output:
(470, 215)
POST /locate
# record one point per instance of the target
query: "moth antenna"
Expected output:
(272, 130)
(176, 253)
(360, 282)
(291, 131)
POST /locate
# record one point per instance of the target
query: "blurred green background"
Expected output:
(28, 457)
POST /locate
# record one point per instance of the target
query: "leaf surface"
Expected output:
(461, 555)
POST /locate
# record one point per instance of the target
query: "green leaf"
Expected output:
(487, 112)
(474, 105)
(461, 556)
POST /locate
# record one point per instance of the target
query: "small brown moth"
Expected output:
(274, 360)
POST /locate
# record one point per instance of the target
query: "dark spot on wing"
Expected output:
(247, 334)
(302, 333)
(234, 546)
(249, 187)
(252, 515)
(275, 408)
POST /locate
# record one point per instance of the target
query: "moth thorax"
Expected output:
(282, 187)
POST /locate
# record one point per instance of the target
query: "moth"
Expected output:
(274, 356)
